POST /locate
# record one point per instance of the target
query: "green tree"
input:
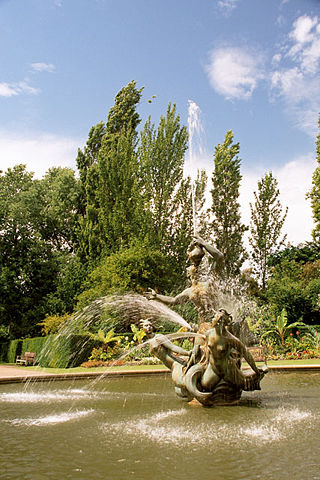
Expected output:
(27, 263)
(108, 170)
(130, 269)
(314, 193)
(166, 193)
(267, 220)
(161, 155)
(226, 225)
(56, 208)
(36, 234)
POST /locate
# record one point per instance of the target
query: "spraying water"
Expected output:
(195, 130)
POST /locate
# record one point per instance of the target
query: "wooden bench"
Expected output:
(27, 359)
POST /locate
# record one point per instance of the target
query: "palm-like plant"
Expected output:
(139, 334)
(281, 327)
(106, 338)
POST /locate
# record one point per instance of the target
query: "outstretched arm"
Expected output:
(174, 348)
(177, 300)
(214, 252)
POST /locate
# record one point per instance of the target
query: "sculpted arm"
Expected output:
(174, 348)
(177, 300)
(244, 353)
(214, 252)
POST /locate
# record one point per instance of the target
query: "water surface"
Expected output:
(137, 428)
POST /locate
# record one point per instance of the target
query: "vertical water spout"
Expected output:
(195, 130)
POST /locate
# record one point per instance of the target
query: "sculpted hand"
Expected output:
(199, 241)
(150, 294)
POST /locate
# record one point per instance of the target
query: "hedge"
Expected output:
(57, 351)
(4, 347)
(14, 350)
(65, 351)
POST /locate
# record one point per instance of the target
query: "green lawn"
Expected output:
(312, 361)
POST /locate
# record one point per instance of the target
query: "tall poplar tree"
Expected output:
(161, 154)
(108, 169)
(167, 193)
(226, 225)
(314, 194)
(267, 219)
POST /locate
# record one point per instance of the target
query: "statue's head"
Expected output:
(195, 253)
(146, 325)
(222, 318)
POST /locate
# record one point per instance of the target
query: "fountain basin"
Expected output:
(127, 427)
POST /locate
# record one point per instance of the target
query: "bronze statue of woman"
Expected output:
(203, 292)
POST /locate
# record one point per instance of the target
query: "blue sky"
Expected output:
(247, 65)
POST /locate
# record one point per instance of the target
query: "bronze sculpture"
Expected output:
(211, 373)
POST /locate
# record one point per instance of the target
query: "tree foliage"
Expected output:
(226, 225)
(108, 167)
(314, 194)
(36, 231)
(267, 220)
(130, 269)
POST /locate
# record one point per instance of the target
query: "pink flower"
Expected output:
(291, 334)
(297, 332)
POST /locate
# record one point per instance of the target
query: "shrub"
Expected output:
(93, 364)
(132, 269)
(52, 324)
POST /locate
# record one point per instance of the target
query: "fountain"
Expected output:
(211, 373)
(127, 427)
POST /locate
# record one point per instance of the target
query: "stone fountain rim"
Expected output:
(34, 376)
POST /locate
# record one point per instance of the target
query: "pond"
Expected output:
(126, 427)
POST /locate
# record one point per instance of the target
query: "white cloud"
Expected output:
(294, 180)
(233, 72)
(39, 151)
(12, 89)
(305, 50)
(276, 59)
(227, 5)
(297, 83)
(7, 90)
(43, 67)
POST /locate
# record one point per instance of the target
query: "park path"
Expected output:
(12, 371)
(14, 374)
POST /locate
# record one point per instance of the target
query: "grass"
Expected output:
(309, 361)
(301, 361)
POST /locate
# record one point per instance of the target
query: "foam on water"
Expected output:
(43, 397)
(161, 429)
(51, 419)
